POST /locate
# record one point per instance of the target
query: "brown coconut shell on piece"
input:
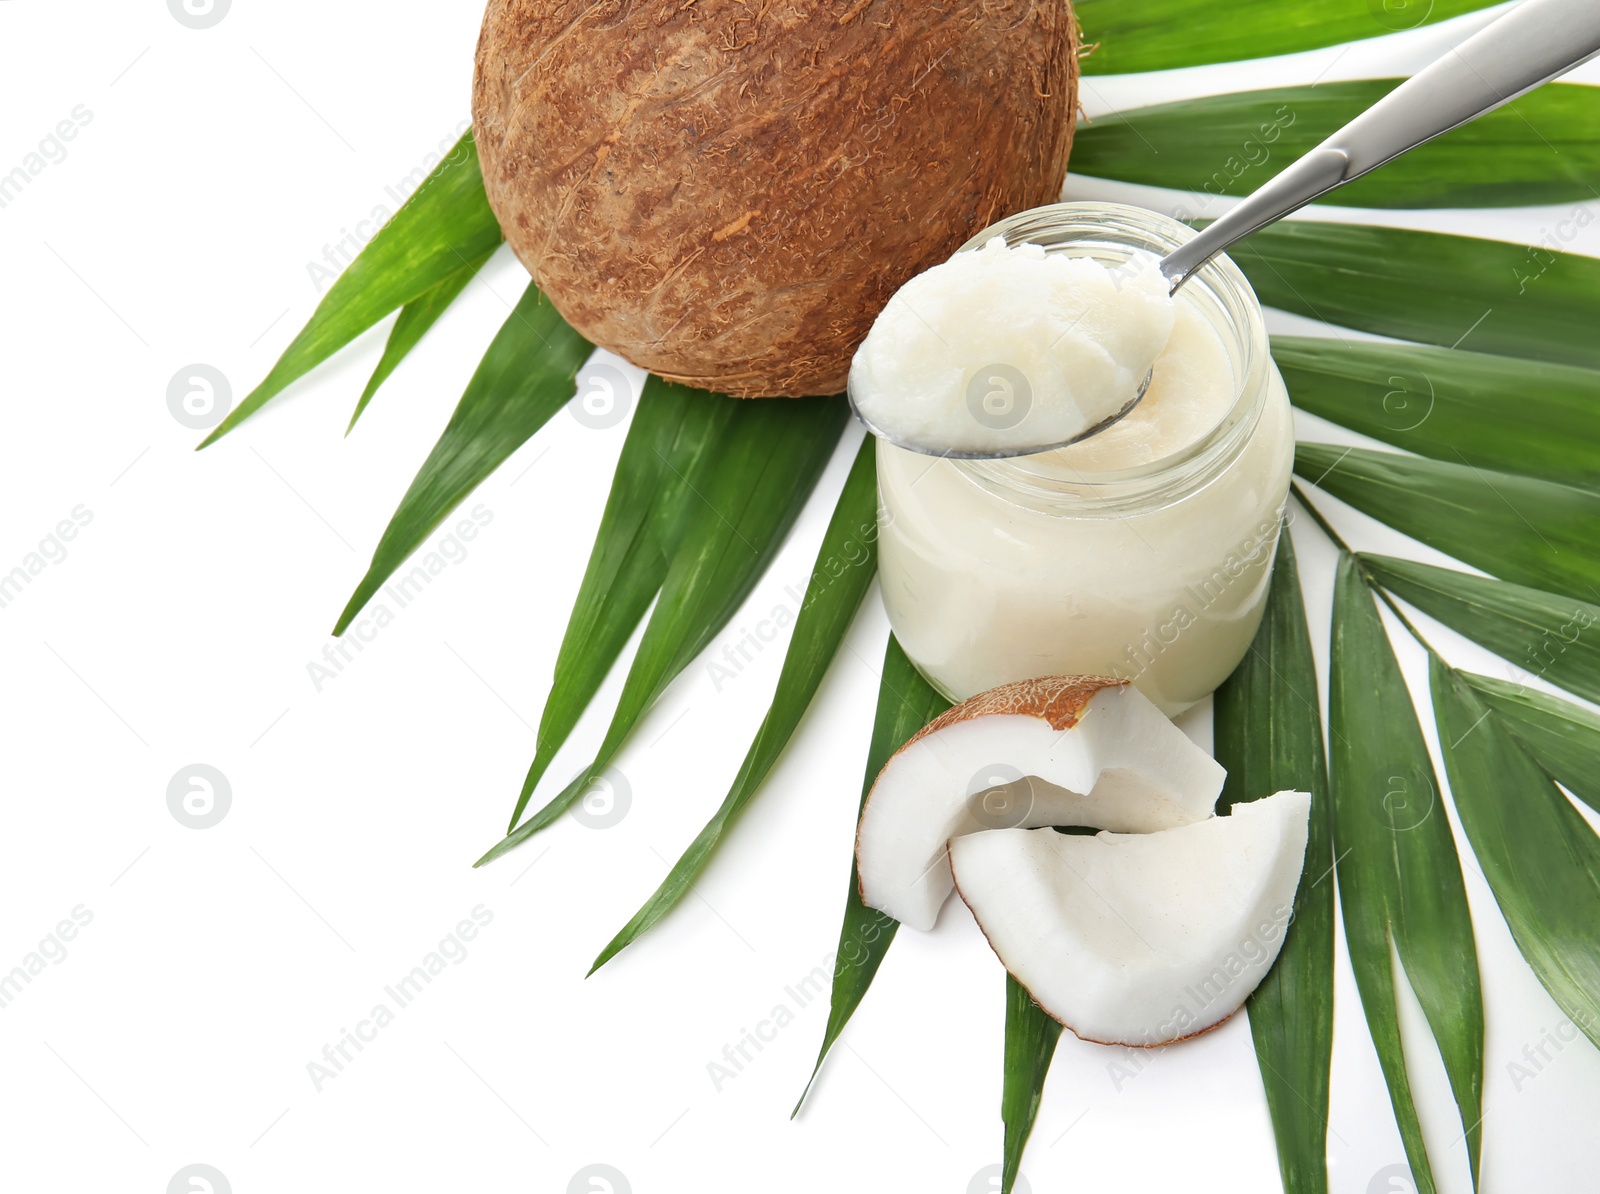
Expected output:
(726, 193)
(1081, 750)
(1059, 700)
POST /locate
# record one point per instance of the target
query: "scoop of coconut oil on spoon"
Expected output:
(899, 380)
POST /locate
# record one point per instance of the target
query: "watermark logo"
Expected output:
(1247, 961)
(604, 398)
(605, 801)
(199, 14)
(1542, 652)
(1250, 154)
(448, 549)
(452, 950)
(1405, 401)
(804, 992)
(199, 796)
(1553, 244)
(1537, 1055)
(199, 1179)
(999, 797)
(1402, 806)
(52, 549)
(1392, 1179)
(1132, 1063)
(999, 396)
(599, 1179)
(987, 1181)
(50, 151)
(51, 951)
(451, 149)
(1244, 567)
(199, 397)
(1396, 15)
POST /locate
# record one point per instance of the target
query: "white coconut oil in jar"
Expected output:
(1143, 552)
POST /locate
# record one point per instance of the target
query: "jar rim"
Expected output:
(1059, 226)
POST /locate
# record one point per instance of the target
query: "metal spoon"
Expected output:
(1535, 42)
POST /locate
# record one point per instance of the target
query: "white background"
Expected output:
(178, 630)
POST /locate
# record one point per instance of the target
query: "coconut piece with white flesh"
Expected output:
(1146, 938)
(1076, 750)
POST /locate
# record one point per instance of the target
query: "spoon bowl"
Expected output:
(992, 454)
(1533, 43)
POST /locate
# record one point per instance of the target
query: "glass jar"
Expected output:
(1144, 552)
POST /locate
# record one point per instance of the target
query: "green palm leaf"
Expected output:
(1031, 1038)
(673, 442)
(1563, 738)
(1497, 412)
(1539, 855)
(846, 564)
(1543, 148)
(1542, 633)
(1400, 881)
(443, 227)
(773, 455)
(1523, 530)
(1268, 734)
(906, 703)
(527, 375)
(1489, 295)
(1140, 35)
(416, 318)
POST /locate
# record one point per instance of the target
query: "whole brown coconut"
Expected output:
(726, 192)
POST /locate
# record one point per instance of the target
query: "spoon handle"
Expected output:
(1535, 42)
